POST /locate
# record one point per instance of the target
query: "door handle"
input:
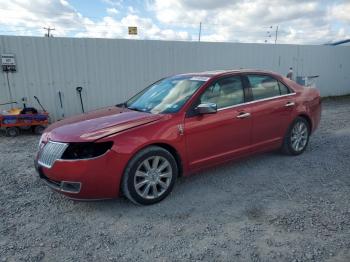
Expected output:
(289, 104)
(243, 115)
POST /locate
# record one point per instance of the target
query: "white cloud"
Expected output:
(29, 18)
(115, 3)
(112, 28)
(341, 12)
(300, 21)
(132, 10)
(112, 11)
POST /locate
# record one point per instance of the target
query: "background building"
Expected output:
(112, 70)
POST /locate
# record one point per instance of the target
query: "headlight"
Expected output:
(86, 150)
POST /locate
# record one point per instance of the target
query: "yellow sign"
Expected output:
(132, 30)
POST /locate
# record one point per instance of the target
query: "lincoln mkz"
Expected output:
(176, 127)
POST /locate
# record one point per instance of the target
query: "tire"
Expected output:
(299, 130)
(12, 131)
(147, 184)
(38, 130)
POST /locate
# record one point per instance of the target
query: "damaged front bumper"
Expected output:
(97, 178)
(61, 186)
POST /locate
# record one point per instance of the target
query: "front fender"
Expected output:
(166, 133)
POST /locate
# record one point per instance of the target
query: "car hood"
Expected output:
(97, 124)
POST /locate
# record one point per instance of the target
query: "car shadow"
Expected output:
(191, 190)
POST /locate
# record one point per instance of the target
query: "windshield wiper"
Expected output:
(136, 109)
(123, 105)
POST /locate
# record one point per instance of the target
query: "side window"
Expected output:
(283, 89)
(224, 93)
(263, 86)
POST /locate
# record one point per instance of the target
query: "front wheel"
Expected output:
(12, 131)
(150, 176)
(38, 130)
(297, 137)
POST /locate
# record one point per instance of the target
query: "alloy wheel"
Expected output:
(153, 177)
(299, 136)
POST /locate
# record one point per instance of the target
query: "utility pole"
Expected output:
(276, 35)
(49, 29)
(200, 31)
(268, 35)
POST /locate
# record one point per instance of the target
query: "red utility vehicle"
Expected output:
(175, 127)
(14, 123)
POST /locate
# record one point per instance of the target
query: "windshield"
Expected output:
(167, 95)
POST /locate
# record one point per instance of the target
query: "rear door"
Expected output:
(223, 135)
(271, 110)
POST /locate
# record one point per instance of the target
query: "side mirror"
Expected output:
(207, 108)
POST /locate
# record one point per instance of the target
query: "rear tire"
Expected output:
(297, 137)
(12, 131)
(150, 176)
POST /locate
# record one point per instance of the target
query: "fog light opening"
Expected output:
(70, 187)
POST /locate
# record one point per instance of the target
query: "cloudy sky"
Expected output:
(298, 21)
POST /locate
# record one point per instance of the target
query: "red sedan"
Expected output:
(175, 127)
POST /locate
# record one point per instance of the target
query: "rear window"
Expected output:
(283, 89)
(264, 86)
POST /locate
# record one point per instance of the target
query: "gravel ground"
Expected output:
(268, 207)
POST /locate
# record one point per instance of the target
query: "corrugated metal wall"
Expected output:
(111, 70)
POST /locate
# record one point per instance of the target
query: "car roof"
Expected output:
(224, 72)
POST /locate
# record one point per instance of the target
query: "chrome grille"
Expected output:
(51, 152)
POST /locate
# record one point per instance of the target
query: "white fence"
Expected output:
(111, 70)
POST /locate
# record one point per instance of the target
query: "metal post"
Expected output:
(200, 31)
(276, 35)
(9, 87)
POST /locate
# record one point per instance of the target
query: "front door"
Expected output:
(220, 136)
